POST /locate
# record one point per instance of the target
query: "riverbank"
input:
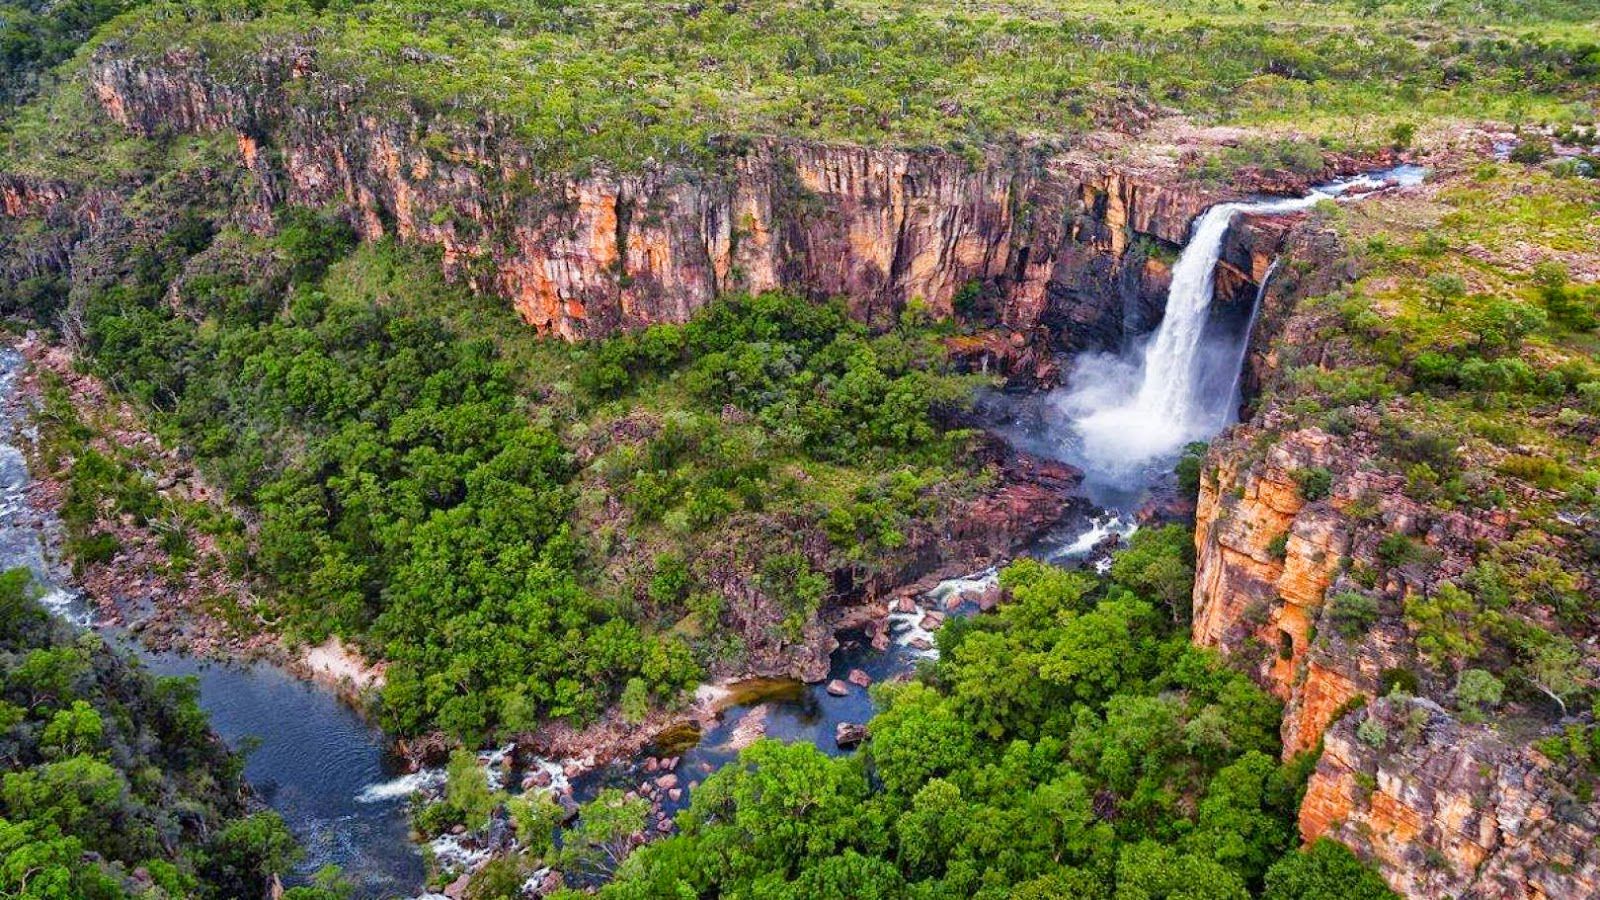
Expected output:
(156, 573)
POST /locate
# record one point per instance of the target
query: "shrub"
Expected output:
(1189, 466)
(1372, 732)
(1434, 369)
(1545, 473)
(1397, 550)
(1397, 680)
(1352, 613)
(1477, 689)
(1278, 547)
(1532, 151)
(1315, 483)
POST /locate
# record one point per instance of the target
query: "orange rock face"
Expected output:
(1448, 810)
(1265, 559)
(612, 250)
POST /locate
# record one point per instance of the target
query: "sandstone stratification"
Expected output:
(1065, 240)
(1451, 810)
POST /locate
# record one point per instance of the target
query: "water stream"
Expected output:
(309, 755)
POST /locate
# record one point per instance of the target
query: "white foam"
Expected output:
(402, 787)
(1098, 530)
(450, 851)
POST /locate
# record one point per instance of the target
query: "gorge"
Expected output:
(793, 449)
(339, 801)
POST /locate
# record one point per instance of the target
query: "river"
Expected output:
(308, 755)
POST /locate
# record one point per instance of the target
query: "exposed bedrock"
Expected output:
(1442, 808)
(1066, 241)
(1451, 810)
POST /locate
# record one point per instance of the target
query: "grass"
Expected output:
(623, 81)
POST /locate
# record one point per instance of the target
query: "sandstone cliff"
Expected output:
(1067, 241)
(1450, 810)
(1308, 501)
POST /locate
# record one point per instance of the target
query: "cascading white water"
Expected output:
(1236, 388)
(1133, 411)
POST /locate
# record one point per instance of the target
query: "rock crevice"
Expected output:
(1062, 240)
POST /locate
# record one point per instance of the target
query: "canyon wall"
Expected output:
(1066, 241)
(1442, 808)
(1451, 810)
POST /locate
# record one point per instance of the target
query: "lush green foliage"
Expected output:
(106, 770)
(1074, 744)
(628, 80)
(406, 453)
(36, 35)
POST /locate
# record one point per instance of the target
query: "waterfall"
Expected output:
(1137, 409)
(1166, 393)
(1236, 392)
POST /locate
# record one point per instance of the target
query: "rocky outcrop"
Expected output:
(1265, 560)
(1066, 241)
(29, 197)
(1451, 810)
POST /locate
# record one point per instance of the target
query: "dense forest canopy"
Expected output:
(1073, 745)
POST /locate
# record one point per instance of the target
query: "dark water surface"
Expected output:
(311, 758)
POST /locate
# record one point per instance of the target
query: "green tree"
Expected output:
(1444, 291)
(1326, 870)
(1150, 871)
(536, 818)
(467, 789)
(601, 840)
(248, 852)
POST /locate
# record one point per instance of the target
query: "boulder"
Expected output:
(569, 808)
(859, 678)
(838, 688)
(932, 621)
(849, 734)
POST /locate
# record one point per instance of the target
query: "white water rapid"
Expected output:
(1131, 412)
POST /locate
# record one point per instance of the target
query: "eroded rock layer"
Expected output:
(1065, 240)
